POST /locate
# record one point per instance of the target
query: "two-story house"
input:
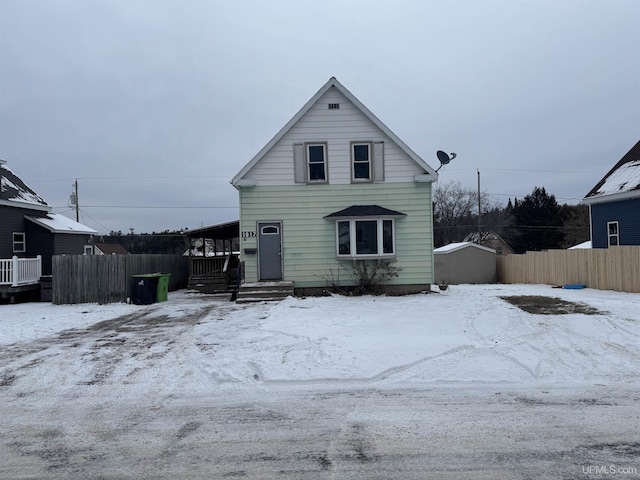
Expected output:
(614, 204)
(334, 187)
(30, 235)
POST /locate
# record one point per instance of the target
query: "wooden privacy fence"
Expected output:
(614, 268)
(107, 278)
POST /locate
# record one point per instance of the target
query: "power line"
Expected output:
(522, 170)
(173, 177)
(154, 206)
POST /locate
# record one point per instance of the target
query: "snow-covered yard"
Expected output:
(460, 383)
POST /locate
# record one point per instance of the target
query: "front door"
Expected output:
(270, 250)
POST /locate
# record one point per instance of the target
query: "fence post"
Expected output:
(14, 271)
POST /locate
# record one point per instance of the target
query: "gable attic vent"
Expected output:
(334, 106)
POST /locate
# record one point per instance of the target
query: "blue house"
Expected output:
(614, 204)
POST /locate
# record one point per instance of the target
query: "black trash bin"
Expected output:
(145, 289)
(46, 288)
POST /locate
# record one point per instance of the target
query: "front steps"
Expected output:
(264, 292)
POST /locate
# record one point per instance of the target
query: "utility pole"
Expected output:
(479, 211)
(77, 203)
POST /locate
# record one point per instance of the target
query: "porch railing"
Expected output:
(20, 271)
(202, 266)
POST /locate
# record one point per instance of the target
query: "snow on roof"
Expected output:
(111, 248)
(452, 247)
(623, 180)
(586, 244)
(13, 189)
(57, 223)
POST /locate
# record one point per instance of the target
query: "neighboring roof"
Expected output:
(489, 239)
(586, 244)
(454, 247)
(111, 248)
(621, 183)
(57, 223)
(333, 83)
(365, 211)
(222, 231)
(13, 189)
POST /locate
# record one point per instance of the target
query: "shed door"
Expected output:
(270, 250)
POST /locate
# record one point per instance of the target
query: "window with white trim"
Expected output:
(365, 238)
(613, 234)
(361, 161)
(316, 162)
(19, 242)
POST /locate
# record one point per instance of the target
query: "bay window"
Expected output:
(365, 238)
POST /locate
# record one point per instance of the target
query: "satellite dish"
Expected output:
(444, 158)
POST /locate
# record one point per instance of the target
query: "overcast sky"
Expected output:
(155, 105)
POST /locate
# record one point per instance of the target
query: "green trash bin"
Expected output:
(163, 287)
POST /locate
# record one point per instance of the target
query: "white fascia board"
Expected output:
(616, 197)
(245, 182)
(425, 178)
(333, 82)
(307, 106)
(25, 205)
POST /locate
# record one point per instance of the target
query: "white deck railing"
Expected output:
(20, 271)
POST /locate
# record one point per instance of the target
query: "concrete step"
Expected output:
(264, 292)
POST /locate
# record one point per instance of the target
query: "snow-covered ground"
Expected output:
(91, 390)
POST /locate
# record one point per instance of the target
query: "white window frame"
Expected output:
(380, 222)
(615, 235)
(269, 230)
(325, 164)
(369, 162)
(88, 250)
(19, 246)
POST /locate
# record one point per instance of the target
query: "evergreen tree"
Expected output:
(538, 220)
(576, 224)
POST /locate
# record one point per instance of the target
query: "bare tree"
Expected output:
(455, 211)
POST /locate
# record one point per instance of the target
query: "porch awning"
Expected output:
(223, 231)
(359, 211)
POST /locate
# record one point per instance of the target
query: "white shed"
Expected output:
(464, 262)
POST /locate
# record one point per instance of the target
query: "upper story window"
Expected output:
(614, 237)
(316, 162)
(361, 161)
(19, 242)
(310, 162)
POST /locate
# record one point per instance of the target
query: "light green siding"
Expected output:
(309, 240)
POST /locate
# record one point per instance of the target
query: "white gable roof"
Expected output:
(56, 223)
(621, 183)
(430, 172)
(454, 247)
(16, 193)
